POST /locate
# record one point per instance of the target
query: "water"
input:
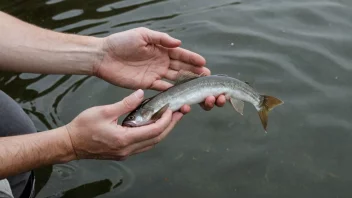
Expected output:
(299, 51)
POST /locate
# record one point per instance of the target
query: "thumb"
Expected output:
(163, 39)
(128, 104)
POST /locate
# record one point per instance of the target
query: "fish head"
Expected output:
(138, 117)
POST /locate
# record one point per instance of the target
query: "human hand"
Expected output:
(95, 133)
(141, 58)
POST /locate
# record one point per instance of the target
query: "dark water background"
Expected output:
(297, 50)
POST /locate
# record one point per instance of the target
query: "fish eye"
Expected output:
(130, 117)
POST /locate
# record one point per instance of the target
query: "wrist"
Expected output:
(103, 48)
(65, 151)
(92, 48)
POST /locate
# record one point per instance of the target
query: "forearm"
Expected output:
(27, 48)
(26, 152)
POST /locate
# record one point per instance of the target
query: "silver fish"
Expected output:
(191, 89)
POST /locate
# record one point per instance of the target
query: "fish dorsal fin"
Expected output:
(185, 76)
(251, 83)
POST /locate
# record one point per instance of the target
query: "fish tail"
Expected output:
(266, 105)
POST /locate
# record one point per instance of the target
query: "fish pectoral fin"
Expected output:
(237, 104)
(185, 76)
(159, 113)
(146, 100)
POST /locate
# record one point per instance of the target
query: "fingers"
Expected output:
(159, 38)
(179, 65)
(221, 101)
(148, 144)
(185, 109)
(209, 102)
(128, 104)
(144, 138)
(163, 39)
(139, 134)
(160, 85)
(186, 56)
(171, 75)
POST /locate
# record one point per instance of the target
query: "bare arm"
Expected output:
(26, 152)
(93, 134)
(27, 48)
(137, 58)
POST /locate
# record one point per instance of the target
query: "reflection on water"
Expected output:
(68, 14)
(10, 81)
(86, 190)
(20, 91)
(298, 51)
(63, 182)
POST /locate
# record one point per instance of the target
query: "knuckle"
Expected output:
(127, 104)
(165, 34)
(121, 142)
(105, 110)
(142, 29)
(157, 140)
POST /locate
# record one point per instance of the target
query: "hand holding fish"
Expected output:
(95, 135)
(138, 58)
(141, 58)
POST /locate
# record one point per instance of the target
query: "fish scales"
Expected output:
(196, 90)
(193, 90)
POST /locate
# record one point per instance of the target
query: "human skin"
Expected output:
(135, 59)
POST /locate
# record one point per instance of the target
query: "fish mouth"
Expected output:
(134, 124)
(129, 124)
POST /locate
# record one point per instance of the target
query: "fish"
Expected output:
(193, 88)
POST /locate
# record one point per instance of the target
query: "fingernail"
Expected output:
(139, 93)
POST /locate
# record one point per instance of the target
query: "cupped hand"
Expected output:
(142, 58)
(95, 133)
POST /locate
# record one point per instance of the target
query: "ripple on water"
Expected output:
(125, 5)
(327, 120)
(115, 179)
(294, 51)
(53, 2)
(298, 50)
(68, 14)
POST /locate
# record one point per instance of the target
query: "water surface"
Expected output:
(299, 51)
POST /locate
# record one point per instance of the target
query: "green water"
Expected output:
(299, 51)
